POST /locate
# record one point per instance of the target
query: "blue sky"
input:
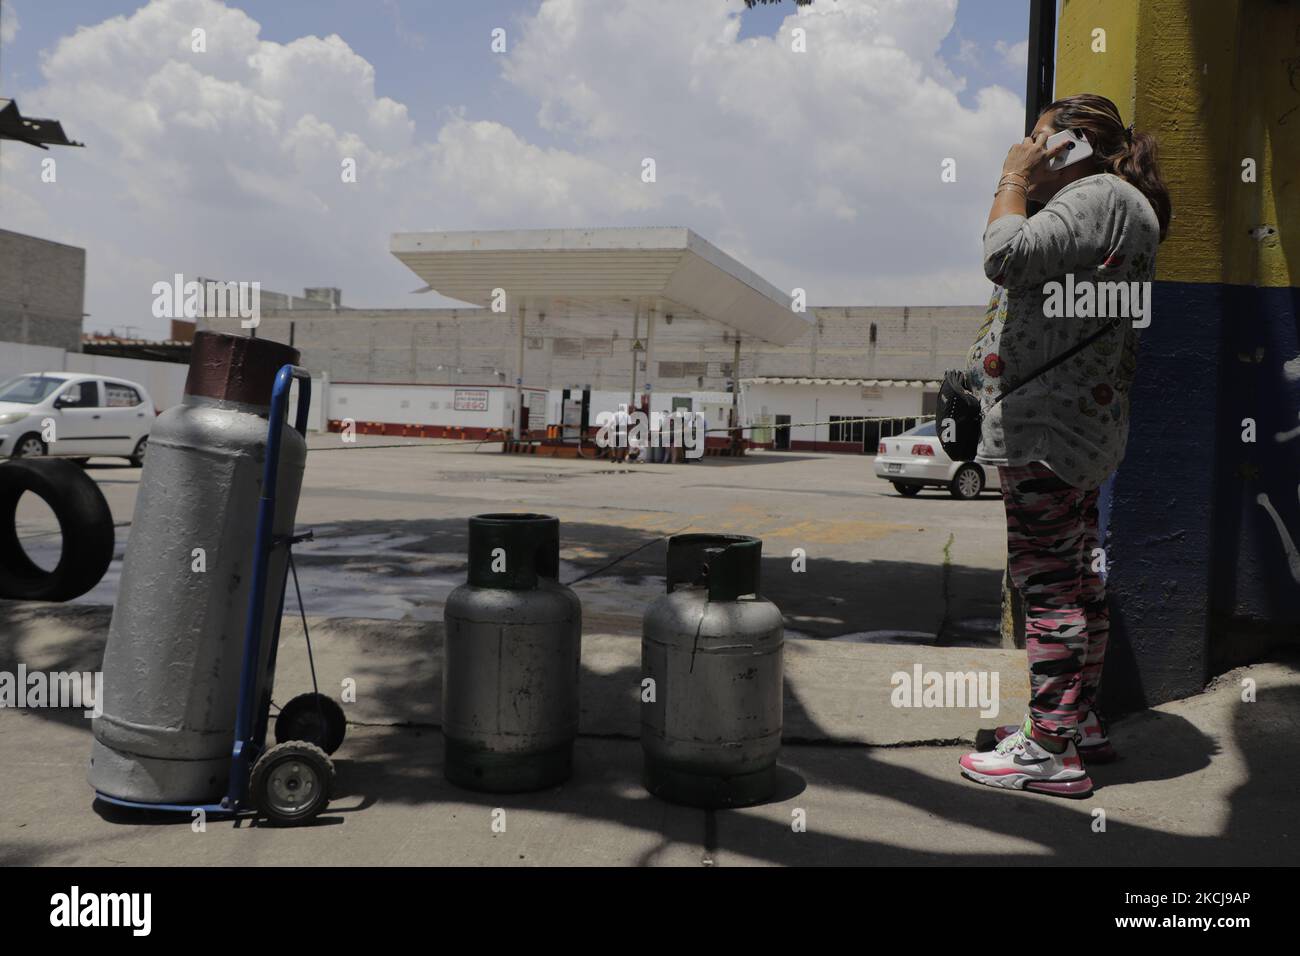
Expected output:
(587, 88)
(427, 51)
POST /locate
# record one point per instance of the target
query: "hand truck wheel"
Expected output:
(315, 718)
(290, 783)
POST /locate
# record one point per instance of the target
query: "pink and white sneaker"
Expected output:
(1094, 746)
(1018, 762)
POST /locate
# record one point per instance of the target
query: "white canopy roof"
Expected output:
(590, 276)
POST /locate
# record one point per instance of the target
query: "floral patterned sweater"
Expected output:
(1074, 417)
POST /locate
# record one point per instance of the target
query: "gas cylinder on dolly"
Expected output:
(173, 658)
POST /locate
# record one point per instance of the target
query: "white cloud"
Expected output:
(818, 169)
(824, 165)
(968, 53)
(1014, 55)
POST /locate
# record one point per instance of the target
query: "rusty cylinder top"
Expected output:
(236, 368)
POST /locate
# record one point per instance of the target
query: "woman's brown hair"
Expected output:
(1118, 149)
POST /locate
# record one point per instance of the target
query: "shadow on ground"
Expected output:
(848, 786)
(407, 767)
(404, 765)
(957, 605)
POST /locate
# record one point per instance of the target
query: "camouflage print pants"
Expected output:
(1051, 537)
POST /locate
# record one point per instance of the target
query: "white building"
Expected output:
(837, 407)
(657, 317)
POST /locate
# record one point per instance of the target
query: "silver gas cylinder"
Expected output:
(172, 661)
(511, 660)
(712, 648)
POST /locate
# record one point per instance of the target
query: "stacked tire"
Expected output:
(85, 523)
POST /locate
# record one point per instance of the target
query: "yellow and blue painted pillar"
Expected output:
(1205, 509)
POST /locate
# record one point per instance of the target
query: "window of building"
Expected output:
(844, 428)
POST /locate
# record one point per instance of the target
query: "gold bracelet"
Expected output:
(1012, 186)
(1017, 175)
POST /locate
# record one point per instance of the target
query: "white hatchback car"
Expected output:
(914, 460)
(73, 415)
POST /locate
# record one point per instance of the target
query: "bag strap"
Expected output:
(1068, 353)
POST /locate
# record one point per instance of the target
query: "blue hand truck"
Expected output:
(289, 783)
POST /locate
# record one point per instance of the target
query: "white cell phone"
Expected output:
(1081, 149)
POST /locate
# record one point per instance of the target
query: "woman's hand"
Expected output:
(1025, 167)
(1030, 156)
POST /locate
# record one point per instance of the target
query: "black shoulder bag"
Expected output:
(960, 416)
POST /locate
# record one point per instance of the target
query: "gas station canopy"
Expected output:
(592, 276)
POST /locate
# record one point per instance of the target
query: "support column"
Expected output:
(735, 436)
(649, 349)
(519, 376)
(653, 451)
(636, 334)
(1197, 546)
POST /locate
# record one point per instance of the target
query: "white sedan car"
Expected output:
(914, 460)
(74, 415)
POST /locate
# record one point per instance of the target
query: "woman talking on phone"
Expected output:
(1053, 382)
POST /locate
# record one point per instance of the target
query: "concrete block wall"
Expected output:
(909, 342)
(42, 291)
(409, 345)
